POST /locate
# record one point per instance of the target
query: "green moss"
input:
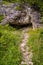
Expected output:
(18, 7)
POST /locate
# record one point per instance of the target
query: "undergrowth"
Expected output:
(6, 3)
(1, 18)
(36, 44)
(10, 53)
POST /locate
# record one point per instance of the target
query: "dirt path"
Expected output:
(27, 55)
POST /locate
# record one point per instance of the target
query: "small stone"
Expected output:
(30, 63)
(23, 62)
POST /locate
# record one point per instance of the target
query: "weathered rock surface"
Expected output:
(19, 17)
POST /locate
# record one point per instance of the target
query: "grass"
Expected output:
(5, 2)
(36, 44)
(10, 39)
(1, 17)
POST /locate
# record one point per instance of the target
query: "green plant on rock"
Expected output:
(1, 17)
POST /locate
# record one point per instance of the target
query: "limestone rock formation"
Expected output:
(23, 16)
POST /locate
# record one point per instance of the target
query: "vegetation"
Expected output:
(39, 3)
(10, 39)
(42, 19)
(5, 2)
(10, 53)
(36, 44)
(1, 17)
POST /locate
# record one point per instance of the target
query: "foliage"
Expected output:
(38, 2)
(1, 17)
(5, 2)
(42, 20)
(18, 7)
(10, 53)
(36, 44)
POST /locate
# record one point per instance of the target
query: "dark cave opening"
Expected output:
(21, 26)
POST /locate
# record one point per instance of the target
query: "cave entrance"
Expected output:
(21, 26)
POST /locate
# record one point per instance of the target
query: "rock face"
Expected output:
(19, 17)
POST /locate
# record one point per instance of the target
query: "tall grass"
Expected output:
(10, 53)
(36, 44)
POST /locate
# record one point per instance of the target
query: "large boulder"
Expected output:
(23, 16)
(13, 16)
